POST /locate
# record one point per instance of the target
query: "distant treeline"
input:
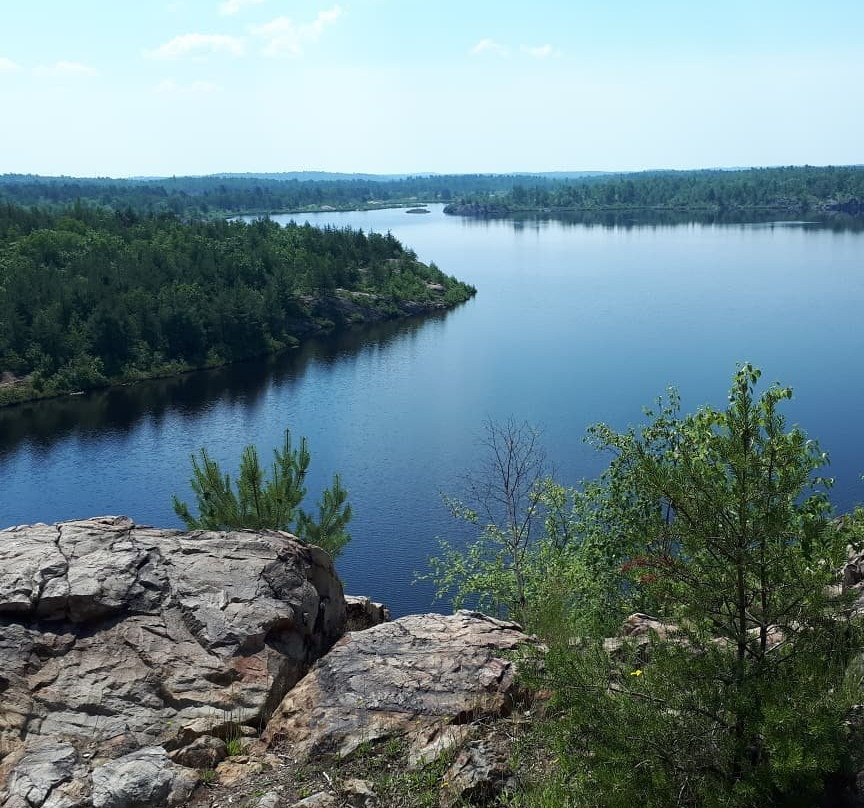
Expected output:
(796, 188)
(219, 195)
(90, 296)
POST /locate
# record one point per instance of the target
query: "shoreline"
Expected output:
(332, 209)
(347, 309)
(492, 209)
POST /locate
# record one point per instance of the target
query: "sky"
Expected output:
(162, 87)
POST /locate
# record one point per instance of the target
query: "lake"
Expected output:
(573, 323)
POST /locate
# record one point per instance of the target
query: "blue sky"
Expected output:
(104, 87)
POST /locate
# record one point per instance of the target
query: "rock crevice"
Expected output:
(117, 638)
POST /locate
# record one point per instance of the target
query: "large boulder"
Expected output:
(116, 637)
(422, 677)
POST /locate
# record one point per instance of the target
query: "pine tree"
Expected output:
(260, 503)
(744, 702)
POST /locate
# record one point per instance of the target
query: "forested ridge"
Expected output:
(91, 296)
(793, 188)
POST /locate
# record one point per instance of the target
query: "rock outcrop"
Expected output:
(477, 776)
(422, 677)
(120, 644)
(362, 613)
(133, 660)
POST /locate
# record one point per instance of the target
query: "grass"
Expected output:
(383, 765)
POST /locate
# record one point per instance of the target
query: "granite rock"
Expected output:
(424, 677)
(116, 637)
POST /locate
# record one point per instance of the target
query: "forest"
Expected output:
(90, 296)
(793, 188)
(223, 195)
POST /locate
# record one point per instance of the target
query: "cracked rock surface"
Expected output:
(422, 676)
(117, 638)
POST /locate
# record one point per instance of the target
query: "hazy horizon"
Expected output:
(198, 87)
(388, 174)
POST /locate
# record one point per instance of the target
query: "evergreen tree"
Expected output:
(256, 502)
(742, 700)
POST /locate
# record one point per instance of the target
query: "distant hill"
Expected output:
(316, 176)
(336, 176)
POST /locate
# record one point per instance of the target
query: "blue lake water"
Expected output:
(572, 324)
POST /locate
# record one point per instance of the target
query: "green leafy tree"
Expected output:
(257, 502)
(728, 536)
(544, 554)
(504, 502)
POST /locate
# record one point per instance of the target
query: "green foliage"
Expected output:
(795, 188)
(787, 188)
(220, 195)
(257, 502)
(505, 501)
(89, 297)
(728, 537)
(852, 527)
(543, 554)
(718, 525)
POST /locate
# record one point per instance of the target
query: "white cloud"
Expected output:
(198, 45)
(282, 36)
(65, 69)
(490, 46)
(171, 87)
(230, 7)
(7, 65)
(540, 51)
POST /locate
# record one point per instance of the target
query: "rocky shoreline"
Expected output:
(147, 668)
(137, 664)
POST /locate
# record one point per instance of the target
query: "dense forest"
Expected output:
(795, 188)
(90, 296)
(106, 280)
(221, 195)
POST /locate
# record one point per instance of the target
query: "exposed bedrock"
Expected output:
(117, 638)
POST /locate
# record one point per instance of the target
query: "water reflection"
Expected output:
(628, 220)
(119, 410)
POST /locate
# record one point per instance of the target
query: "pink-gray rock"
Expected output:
(478, 775)
(270, 799)
(203, 753)
(115, 637)
(363, 613)
(320, 799)
(637, 631)
(358, 793)
(422, 676)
